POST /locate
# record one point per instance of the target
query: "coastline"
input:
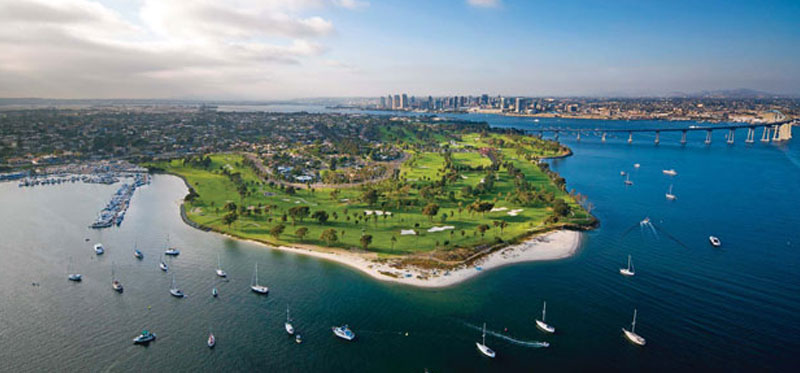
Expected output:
(553, 245)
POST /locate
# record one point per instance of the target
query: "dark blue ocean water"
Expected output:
(733, 308)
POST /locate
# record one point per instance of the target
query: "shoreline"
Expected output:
(553, 245)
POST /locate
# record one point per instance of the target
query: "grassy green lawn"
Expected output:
(347, 212)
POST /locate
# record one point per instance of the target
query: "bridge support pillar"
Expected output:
(765, 134)
(658, 133)
(708, 137)
(776, 136)
(603, 139)
(683, 137)
(751, 134)
(731, 134)
(630, 137)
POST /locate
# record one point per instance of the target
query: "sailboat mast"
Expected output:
(633, 324)
(629, 262)
(544, 309)
(484, 334)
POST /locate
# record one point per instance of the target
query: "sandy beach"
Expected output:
(548, 246)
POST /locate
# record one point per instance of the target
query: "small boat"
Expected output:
(163, 265)
(174, 290)
(669, 194)
(254, 286)
(483, 348)
(714, 241)
(628, 271)
(543, 325)
(298, 339)
(115, 284)
(214, 292)
(628, 180)
(220, 272)
(212, 341)
(172, 251)
(670, 172)
(631, 334)
(622, 173)
(98, 249)
(145, 337)
(72, 276)
(137, 253)
(288, 324)
(636, 165)
(344, 332)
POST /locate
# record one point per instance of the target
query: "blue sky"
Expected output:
(310, 48)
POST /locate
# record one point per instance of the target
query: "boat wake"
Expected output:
(532, 344)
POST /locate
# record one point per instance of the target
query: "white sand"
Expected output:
(515, 212)
(549, 246)
(439, 229)
(496, 209)
(407, 232)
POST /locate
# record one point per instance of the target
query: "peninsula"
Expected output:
(422, 201)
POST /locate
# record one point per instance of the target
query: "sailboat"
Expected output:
(171, 250)
(72, 276)
(178, 293)
(628, 271)
(214, 292)
(670, 172)
(288, 324)
(220, 272)
(115, 284)
(212, 341)
(631, 335)
(260, 289)
(482, 347)
(543, 325)
(163, 265)
(669, 194)
(628, 180)
(137, 253)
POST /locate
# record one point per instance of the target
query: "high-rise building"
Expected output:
(502, 103)
(484, 99)
(518, 103)
(383, 103)
(396, 104)
(390, 102)
(404, 101)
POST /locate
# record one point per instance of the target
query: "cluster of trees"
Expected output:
(197, 161)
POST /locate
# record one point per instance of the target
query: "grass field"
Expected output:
(402, 197)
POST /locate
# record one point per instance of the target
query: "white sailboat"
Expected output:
(115, 284)
(288, 325)
(212, 341)
(628, 271)
(254, 286)
(72, 276)
(669, 194)
(174, 290)
(163, 265)
(670, 172)
(171, 250)
(541, 324)
(482, 347)
(631, 334)
(628, 180)
(220, 272)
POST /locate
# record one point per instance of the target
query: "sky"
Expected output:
(283, 49)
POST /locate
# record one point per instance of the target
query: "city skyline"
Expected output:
(246, 50)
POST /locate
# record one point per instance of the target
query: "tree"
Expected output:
(298, 212)
(329, 236)
(503, 225)
(229, 206)
(370, 196)
(229, 218)
(394, 240)
(430, 210)
(277, 230)
(365, 241)
(483, 207)
(482, 229)
(320, 215)
(301, 232)
(560, 207)
(290, 190)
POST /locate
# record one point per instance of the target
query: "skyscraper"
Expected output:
(404, 101)
(396, 104)
(383, 103)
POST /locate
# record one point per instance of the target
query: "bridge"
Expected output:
(771, 132)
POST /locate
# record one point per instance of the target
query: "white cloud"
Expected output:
(484, 3)
(351, 4)
(165, 48)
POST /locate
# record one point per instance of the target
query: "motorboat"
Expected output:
(138, 254)
(212, 341)
(145, 337)
(172, 251)
(714, 241)
(288, 324)
(343, 332)
(98, 249)
(670, 172)
(298, 339)
(75, 277)
(214, 292)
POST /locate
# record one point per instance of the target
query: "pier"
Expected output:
(770, 132)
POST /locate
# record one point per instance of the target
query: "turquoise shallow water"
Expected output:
(732, 308)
